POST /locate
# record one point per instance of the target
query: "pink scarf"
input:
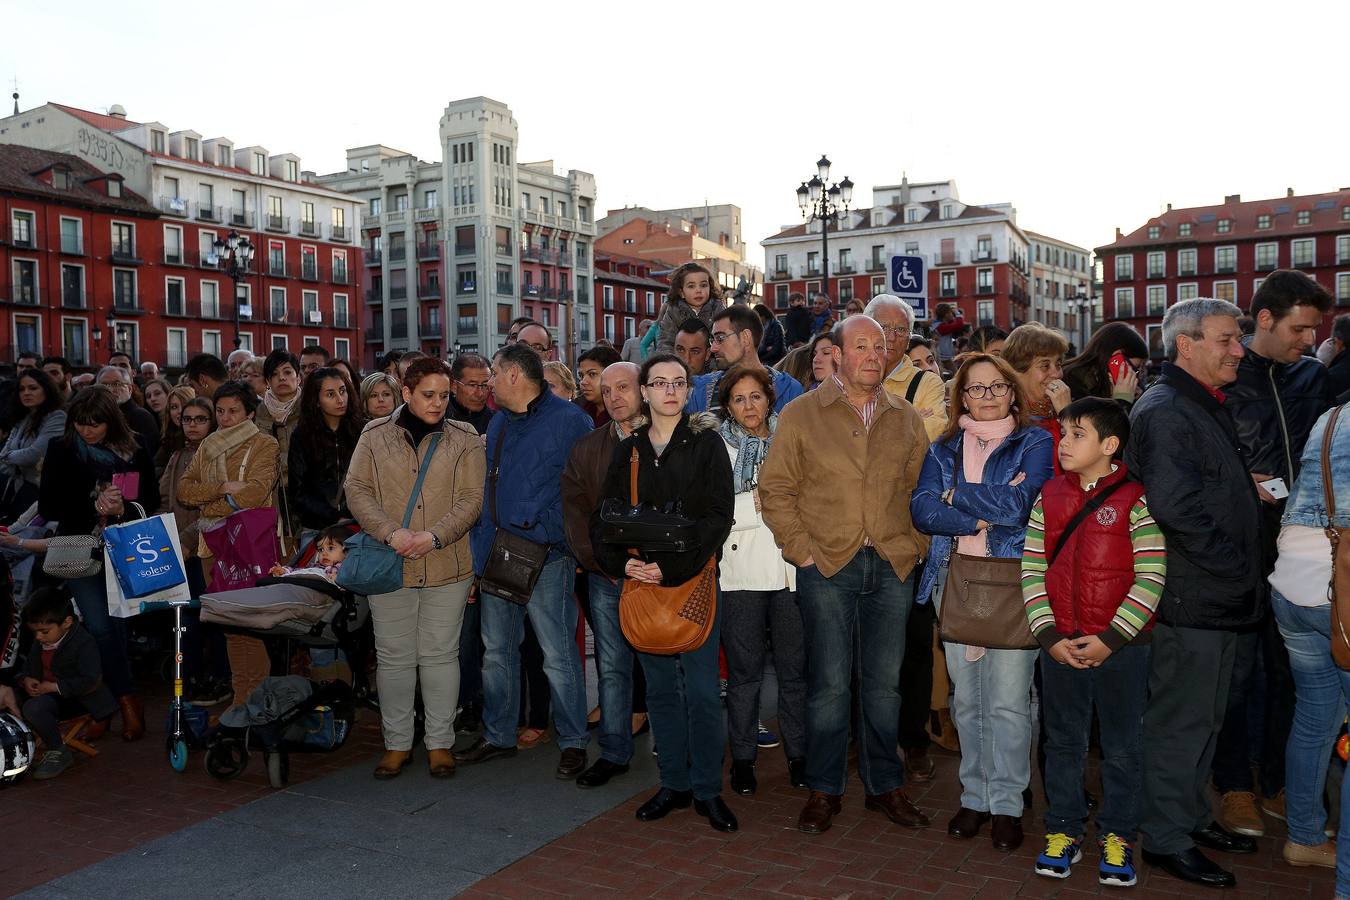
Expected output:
(981, 440)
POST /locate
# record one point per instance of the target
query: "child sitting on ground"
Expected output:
(62, 677)
(329, 553)
(1092, 575)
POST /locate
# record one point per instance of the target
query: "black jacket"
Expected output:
(67, 492)
(693, 475)
(316, 468)
(142, 422)
(797, 325)
(772, 347)
(479, 420)
(77, 670)
(1184, 448)
(1338, 374)
(1274, 406)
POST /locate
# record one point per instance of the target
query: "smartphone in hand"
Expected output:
(1117, 366)
(1276, 488)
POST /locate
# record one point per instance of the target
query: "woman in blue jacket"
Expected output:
(975, 494)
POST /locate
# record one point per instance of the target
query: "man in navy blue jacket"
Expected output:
(735, 338)
(528, 444)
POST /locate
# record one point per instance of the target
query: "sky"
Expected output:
(1085, 116)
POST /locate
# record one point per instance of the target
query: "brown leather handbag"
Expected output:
(667, 620)
(982, 604)
(1338, 589)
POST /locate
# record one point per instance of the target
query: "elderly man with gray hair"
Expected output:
(1184, 448)
(118, 380)
(923, 390)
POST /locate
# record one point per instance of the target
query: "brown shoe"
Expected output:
(133, 717)
(441, 763)
(1324, 854)
(897, 807)
(818, 813)
(918, 765)
(1006, 832)
(392, 763)
(96, 729)
(967, 823)
(1238, 813)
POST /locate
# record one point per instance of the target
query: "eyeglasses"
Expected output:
(537, 348)
(661, 384)
(980, 391)
(895, 331)
(194, 420)
(477, 385)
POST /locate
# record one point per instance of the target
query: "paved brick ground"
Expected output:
(862, 856)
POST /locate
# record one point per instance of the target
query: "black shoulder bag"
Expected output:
(514, 563)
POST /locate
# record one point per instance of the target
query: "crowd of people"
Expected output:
(932, 534)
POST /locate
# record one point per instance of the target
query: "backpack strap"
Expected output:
(1088, 509)
(913, 390)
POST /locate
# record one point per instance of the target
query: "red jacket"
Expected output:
(1095, 570)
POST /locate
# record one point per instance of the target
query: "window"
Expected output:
(292, 170)
(61, 178)
(582, 249)
(174, 303)
(1303, 217)
(1225, 226)
(339, 267)
(1302, 252)
(124, 289)
(545, 317)
(210, 300)
(376, 206)
(466, 279)
(400, 202)
(845, 260)
(239, 209)
(845, 290)
(1186, 261)
(156, 141)
(27, 335)
(780, 265)
(1154, 231)
(813, 263)
(628, 328)
(651, 303)
(505, 281)
(629, 300)
(1267, 256)
(173, 245)
(279, 342)
(503, 240)
(948, 283)
(429, 200)
(274, 217)
(25, 282)
(984, 281)
(309, 262)
(878, 287)
(1345, 213)
(259, 164)
(72, 235)
(1124, 267)
(562, 209)
(123, 239)
(584, 326)
(609, 328)
(245, 341)
(340, 311)
(911, 249)
(223, 155)
(1187, 292)
(278, 304)
(584, 212)
(946, 210)
(1124, 303)
(780, 296)
(177, 347)
(339, 220)
(211, 343)
(171, 188)
(607, 293)
(114, 187)
(309, 304)
(1263, 222)
(307, 216)
(1343, 287)
(1342, 248)
(74, 341)
(464, 240)
(193, 151)
(276, 258)
(911, 215)
(1225, 259)
(342, 348)
(23, 233)
(1157, 299)
(1157, 264)
(1184, 229)
(984, 311)
(72, 287)
(1225, 290)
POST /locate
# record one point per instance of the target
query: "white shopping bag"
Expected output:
(119, 607)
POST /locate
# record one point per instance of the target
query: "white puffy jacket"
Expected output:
(751, 560)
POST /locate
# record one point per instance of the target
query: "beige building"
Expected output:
(1061, 287)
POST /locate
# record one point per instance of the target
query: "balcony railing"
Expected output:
(429, 329)
(125, 255)
(1156, 273)
(127, 303)
(375, 333)
(398, 293)
(984, 288)
(277, 223)
(374, 295)
(983, 254)
(309, 270)
(72, 297)
(466, 325)
(947, 292)
(427, 214)
(374, 257)
(812, 272)
(312, 317)
(340, 276)
(947, 259)
(277, 315)
(503, 249)
(340, 319)
(428, 250)
(845, 269)
(174, 206)
(208, 213)
(465, 250)
(339, 233)
(20, 292)
(780, 275)
(241, 218)
(398, 252)
(175, 258)
(24, 240)
(429, 291)
(277, 269)
(1267, 265)
(309, 229)
(370, 220)
(876, 265)
(1227, 268)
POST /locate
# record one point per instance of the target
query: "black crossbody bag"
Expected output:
(514, 562)
(1088, 509)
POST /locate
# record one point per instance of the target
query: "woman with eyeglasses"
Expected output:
(682, 464)
(975, 494)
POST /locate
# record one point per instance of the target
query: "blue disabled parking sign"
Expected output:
(907, 281)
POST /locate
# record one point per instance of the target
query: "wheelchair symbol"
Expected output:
(904, 279)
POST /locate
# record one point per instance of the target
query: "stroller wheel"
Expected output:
(178, 755)
(226, 758)
(278, 768)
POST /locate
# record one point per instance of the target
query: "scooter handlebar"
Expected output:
(153, 605)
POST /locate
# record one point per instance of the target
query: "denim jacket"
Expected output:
(1005, 507)
(1306, 506)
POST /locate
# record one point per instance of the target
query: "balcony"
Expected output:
(340, 319)
(72, 297)
(503, 249)
(309, 270)
(427, 214)
(173, 206)
(125, 255)
(947, 259)
(374, 295)
(876, 265)
(241, 218)
(375, 333)
(984, 289)
(72, 247)
(370, 220)
(277, 316)
(812, 272)
(277, 269)
(127, 304)
(1299, 262)
(428, 250)
(1155, 274)
(374, 257)
(398, 252)
(1181, 271)
(24, 239)
(208, 213)
(947, 292)
(429, 291)
(534, 254)
(279, 224)
(845, 269)
(780, 275)
(309, 229)
(466, 325)
(429, 329)
(398, 292)
(340, 233)
(1227, 268)
(340, 276)
(312, 318)
(465, 250)
(1268, 265)
(983, 254)
(22, 293)
(175, 258)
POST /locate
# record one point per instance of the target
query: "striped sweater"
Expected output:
(1136, 608)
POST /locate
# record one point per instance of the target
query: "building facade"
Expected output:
(670, 242)
(977, 257)
(171, 296)
(626, 292)
(456, 249)
(719, 223)
(1225, 251)
(1062, 293)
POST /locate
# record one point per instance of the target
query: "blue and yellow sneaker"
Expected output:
(1117, 865)
(1059, 856)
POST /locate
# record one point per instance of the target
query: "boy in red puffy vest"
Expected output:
(1092, 576)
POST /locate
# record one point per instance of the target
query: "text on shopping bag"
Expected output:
(143, 557)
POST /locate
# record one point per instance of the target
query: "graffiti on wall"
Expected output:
(105, 150)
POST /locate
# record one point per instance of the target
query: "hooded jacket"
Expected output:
(675, 313)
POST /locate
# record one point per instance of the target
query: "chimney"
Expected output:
(1289, 192)
(1169, 207)
(1232, 198)
(1118, 233)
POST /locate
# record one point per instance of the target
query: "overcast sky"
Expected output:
(1084, 116)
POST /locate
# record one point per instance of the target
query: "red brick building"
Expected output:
(1224, 251)
(153, 285)
(626, 292)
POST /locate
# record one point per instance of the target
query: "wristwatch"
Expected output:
(436, 543)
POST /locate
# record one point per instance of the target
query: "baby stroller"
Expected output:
(305, 610)
(284, 715)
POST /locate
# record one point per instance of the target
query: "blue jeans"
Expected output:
(91, 596)
(855, 625)
(1119, 689)
(685, 710)
(614, 665)
(553, 614)
(1320, 695)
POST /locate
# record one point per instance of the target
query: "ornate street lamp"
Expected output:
(236, 253)
(824, 204)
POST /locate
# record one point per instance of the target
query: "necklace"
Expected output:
(983, 442)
